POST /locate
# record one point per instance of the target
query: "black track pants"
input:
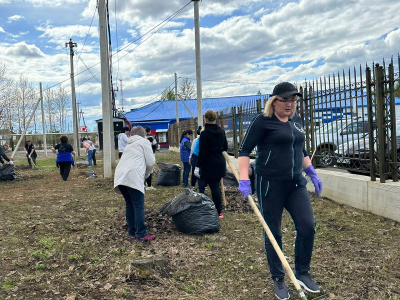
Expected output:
(65, 167)
(215, 188)
(291, 195)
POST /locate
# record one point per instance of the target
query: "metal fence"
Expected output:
(350, 121)
(349, 118)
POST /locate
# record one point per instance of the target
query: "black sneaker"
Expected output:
(307, 283)
(281, 290)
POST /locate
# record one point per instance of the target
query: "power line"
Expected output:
(173, 83)
(87, 34)
(88, 69)
(146, 103)
(225, 81)
(166, 21)
(84, 43)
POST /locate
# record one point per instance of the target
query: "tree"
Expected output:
(61, 104)
(25, 101)
(5, 109)
(167, 94)
(50, 107)
(186, 90)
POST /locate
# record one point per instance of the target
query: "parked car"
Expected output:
(331, 135)
(356, 154)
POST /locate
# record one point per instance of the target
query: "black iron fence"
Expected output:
(349, 117)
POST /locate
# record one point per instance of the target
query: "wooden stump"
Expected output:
(143, 269)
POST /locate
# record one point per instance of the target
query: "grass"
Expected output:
(69, 239)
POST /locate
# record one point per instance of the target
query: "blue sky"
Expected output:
(258, 43)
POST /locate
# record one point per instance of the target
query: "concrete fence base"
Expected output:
(358, 191)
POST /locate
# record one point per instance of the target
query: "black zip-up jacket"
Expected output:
(212, 143)
(280, 147)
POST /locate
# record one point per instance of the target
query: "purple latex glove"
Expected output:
(244, 188)
(310, 171)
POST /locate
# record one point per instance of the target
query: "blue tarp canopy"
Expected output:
(166, 110)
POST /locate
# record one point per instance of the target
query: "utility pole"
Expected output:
(122, 96)
(75, 128)
(198, 63)
(176, 105)
(79, 115)
(43, 120)
(108, 126)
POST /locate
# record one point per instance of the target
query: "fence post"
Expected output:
(240, 119)
(380, 110)
(234, 131)
(393, 142)
(372, 165)
(310, 98)
(259, 108)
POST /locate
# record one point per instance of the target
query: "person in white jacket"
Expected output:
(134, 166)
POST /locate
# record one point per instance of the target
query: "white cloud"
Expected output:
(49, 3)
(15, 18)
(59, 34)
(23, 50)
(2, 30)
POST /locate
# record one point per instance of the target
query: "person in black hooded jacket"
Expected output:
(211, 162)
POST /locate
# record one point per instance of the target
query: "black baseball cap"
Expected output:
(285, 89)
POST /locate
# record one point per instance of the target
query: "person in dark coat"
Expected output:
(280, 138)
(211, 162)
(30, 153)
(3, 155)
(64, 157)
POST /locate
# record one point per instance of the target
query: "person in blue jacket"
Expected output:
(281, 158)
(185, 147)
(194, 155)
(64, 157)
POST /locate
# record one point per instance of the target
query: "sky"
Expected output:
(246, 46)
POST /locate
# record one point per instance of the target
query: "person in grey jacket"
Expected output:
(134, 166)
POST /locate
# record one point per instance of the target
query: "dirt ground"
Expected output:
(68, 240)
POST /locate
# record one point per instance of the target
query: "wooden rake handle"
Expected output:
(269, 233)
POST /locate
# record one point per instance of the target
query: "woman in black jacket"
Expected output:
(211, 162)
(281, 157)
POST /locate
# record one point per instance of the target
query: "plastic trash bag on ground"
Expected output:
(169, 174)
(7, 172)
(192, 213)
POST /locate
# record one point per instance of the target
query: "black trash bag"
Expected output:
(230, 179)
(169, 174)
(192, 213)
(7, 173)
